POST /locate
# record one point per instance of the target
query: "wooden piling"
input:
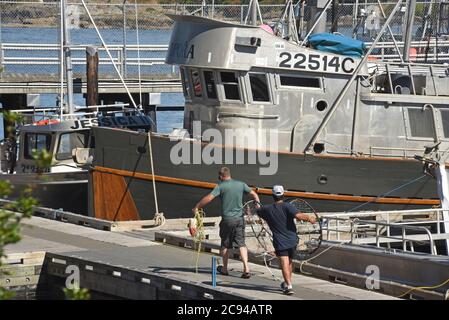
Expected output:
(92, 76)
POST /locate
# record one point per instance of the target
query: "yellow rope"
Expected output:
(421, 288)
(199, 235)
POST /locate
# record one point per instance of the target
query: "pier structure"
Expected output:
(131, 265)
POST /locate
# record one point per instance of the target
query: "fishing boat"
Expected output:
(352, 130)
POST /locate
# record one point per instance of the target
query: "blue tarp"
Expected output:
(339, 44)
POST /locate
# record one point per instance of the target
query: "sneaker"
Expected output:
(288, 290)
(283, 286)
(221, 271)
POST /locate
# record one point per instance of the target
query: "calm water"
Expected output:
(167, 120)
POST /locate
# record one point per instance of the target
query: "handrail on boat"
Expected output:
(353, 224)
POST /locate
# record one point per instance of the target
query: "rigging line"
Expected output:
(158, 216)
(387, 193)
(109, 55)
(138, 56)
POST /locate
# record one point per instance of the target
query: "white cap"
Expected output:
(278, 190)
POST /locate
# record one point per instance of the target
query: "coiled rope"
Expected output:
(196, 226)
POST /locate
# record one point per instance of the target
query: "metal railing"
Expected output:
(355, 228)
(14, 55)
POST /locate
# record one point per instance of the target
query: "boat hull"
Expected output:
(67, 191)
(350, 183)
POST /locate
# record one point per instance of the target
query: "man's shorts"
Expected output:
(287, 252)
(232, 233)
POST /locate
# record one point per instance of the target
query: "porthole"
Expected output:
(322, 179)
(321, 105)
(141, 150)
(318, 147)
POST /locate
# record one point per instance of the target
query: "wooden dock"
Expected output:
(131, 265)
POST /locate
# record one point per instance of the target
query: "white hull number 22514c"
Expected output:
(316, 62)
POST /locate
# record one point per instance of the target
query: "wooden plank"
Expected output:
(24, 258)
(111, 199)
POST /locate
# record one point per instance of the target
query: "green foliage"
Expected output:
(11, 118)
(12, 213)
(77, 294)
(43, 159)
(10, 217)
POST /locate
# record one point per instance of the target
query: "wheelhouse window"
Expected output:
(422, 124)
(70, 141)
(185, 81)
(303, 82)
(230, 85)
(196, 81)
(259, 87)
(211, 89)
(36, 142)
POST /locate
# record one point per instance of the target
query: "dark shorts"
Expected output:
(286, 253)
(232, 233)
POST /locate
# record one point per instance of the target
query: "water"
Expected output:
(166, 120)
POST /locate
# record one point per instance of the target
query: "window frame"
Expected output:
(29, 156)
(185, 78)
(222, 93)
(214, 74)
(194, 96)
(283, 87)
(86, 142)
(250, 91)
(408, 130)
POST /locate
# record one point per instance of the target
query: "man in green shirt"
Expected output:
(232, 225)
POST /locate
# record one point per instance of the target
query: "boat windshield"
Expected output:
(36, 142)
(69, 141)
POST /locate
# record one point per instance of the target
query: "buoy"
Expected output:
(192, 226)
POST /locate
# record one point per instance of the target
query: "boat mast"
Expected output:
(408, 31)
(67, 58)
(254, 12)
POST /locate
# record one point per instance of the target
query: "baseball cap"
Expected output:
(278, 190)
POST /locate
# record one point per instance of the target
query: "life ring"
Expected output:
(46, 122)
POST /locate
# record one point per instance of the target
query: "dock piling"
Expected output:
(92, 76)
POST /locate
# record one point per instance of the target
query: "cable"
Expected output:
(387, 193)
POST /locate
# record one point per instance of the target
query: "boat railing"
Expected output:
(411, 227)
(387, 50)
